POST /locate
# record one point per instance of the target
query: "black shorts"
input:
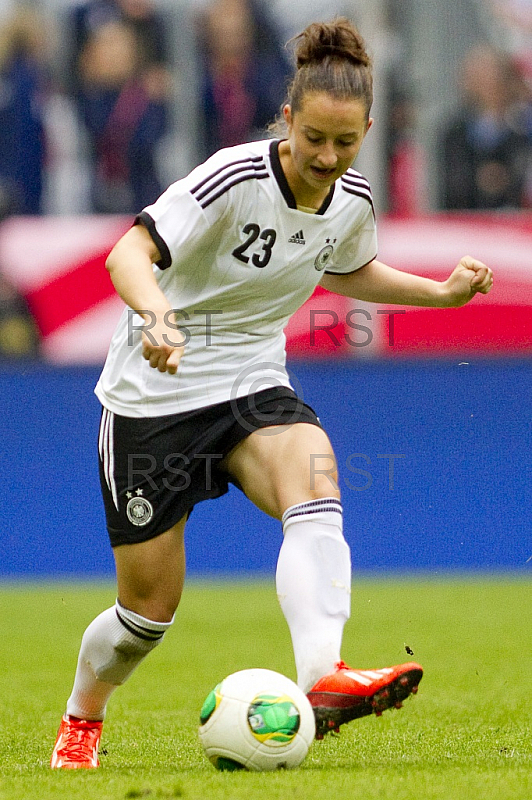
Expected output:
(153, 470)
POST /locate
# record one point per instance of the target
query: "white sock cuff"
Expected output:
(329, 507)
(139, 626)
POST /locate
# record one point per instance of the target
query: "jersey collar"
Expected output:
(283, 183)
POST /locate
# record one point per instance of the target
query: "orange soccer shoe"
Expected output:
(77, 744)
(347, 694)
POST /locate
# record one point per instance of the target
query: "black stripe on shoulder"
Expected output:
(359, 190)
(354, 188)
(246, 177)
(355, 179)
(144, 219)
(251, 171)
(353, 173)
(251, 161)
(355, 176)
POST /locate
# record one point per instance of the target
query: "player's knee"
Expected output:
(159, 608)
(156, 610)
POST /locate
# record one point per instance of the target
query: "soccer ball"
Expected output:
(256, 719)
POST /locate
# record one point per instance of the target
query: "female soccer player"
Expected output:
(211, 273)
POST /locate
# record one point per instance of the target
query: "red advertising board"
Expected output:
(57, 263)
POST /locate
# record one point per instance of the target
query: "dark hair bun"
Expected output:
(339, 39)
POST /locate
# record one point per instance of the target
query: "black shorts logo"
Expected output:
(139, 511)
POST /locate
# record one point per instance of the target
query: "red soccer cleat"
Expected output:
(77, 744)
(347, 694)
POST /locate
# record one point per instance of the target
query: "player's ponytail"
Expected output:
(331, 57)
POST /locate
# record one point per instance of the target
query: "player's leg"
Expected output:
(290, 473)
(150, 577)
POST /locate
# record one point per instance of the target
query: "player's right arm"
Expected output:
(130, 265)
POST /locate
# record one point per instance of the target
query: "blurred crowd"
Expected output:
(118, 75)
(115, 66)
(24, 85)
(486, 150)
(120, 84)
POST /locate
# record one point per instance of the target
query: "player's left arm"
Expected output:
(378, 283)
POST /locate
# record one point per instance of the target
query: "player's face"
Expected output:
(324, 138)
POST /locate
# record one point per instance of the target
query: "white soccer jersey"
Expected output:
(237, 260)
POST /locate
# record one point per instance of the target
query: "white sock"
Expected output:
(112, 647)
(314, 585)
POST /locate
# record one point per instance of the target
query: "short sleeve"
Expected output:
(178, 221)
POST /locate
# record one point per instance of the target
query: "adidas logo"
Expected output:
(297, 238)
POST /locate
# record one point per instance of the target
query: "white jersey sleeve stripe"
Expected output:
(105, 446)
(112, 484)
(104, 452)
(102, 432)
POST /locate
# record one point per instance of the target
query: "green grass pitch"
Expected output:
(466, 735)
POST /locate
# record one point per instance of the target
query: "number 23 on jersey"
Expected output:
(257, 247)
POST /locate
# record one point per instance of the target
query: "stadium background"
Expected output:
(430, 420)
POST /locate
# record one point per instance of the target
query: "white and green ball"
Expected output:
(258, 720)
